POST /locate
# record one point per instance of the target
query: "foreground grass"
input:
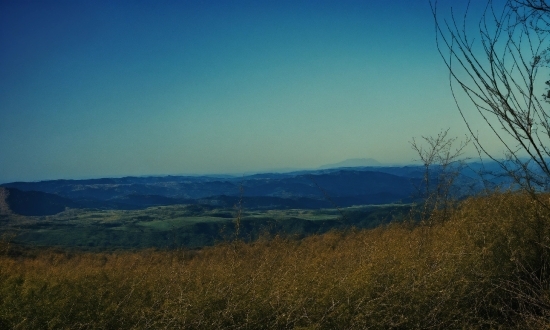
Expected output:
(485, 267)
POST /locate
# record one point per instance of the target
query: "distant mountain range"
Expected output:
(354, 162)
(324, 188)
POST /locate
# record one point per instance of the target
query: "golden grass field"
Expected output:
(483, 267)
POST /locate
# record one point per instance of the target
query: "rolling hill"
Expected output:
(303, 189)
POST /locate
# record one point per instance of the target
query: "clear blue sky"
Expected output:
(114, 88)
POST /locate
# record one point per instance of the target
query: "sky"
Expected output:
(116, 88)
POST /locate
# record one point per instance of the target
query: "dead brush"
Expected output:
(484, 267)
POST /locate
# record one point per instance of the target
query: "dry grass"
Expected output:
(485, 267)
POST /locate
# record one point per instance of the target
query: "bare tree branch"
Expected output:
(498, 72)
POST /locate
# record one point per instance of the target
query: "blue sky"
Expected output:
(115, 88)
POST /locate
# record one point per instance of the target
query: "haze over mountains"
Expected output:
(353, 162)
(343, 186)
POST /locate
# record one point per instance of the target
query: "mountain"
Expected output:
(326, 188)
(35, 203)
(313, 189)
(353, 162)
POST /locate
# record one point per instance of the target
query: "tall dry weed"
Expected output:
(485, 267)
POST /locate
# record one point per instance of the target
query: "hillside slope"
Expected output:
(314, 189)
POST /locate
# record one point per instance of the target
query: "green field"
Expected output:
(188, 226)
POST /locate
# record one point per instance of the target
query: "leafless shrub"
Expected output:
(441, 158)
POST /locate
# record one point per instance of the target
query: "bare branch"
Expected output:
(498, 74)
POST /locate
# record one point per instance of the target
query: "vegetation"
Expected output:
(499, 65)
(485, 267)
(184, 226)
(483, 262)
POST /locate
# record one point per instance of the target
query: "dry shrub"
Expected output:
(486, 267)
(511, 232)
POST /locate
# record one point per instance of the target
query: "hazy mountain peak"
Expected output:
(353, 162)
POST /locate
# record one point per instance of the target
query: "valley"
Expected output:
(191, 212)
(185, 226)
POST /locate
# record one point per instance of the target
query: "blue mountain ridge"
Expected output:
(323, 188)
